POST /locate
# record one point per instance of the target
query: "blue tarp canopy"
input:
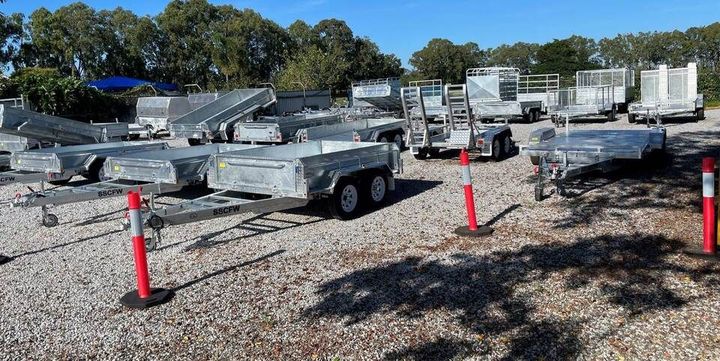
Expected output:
(121, 83)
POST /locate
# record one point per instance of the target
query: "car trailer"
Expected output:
(282, 129)
(668, 92)
(459, 129)
(621, 80)
(494, 94)
(381, 130)
(215, 120)
(59, 164)
(152, 172)
(559, 157)
(583, 102)
(347, 175)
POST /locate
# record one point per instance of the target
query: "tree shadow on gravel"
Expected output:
(493, 295)
(67, 244)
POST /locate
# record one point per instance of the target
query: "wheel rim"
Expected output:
(398, 141)
(349, 198)
(506, 144)
(377, 189)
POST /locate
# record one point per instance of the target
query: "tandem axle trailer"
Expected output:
(559, 157)
(381, 130)
(153, 172)
(347, 175)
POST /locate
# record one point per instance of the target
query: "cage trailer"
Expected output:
(459, 129)
(282, 129)
(346, 175)
(668, 93)
(622, 82)
(495, 93)
(583, 102)
(559, 157)
(214, 121)
(151, 172)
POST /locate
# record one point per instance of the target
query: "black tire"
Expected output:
(397, 139)
(50, 220)
(527, 117)
(632, 118)
(340, 203)
(535, 115)
(700, 114)
(194, 142)
(134, 137)
(421, 154)
(535, 160)
(96, 171)
(611, 114)
(497, 149)
(434, 153)
(375, 189)
(506, 145)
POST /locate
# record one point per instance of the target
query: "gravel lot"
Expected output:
(599, 275)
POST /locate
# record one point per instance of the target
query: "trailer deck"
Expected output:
(559, 157)
(271, 179)
(216, 119)
(282, 129)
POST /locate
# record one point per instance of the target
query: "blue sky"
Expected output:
(404, 26)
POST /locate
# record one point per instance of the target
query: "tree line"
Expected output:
(220, 47)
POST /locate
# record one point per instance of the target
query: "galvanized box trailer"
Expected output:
(459, 129)
(493, 93)
(269, 179)
(583, 102)
(215, 120)
(152, 172)
(559, 157)
(668, 92)
(363, 130)
(155, 114)
(282, 129)
(59, 164)
(621, 80)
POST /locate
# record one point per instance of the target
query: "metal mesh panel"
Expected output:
(678, 84)
(650, 86)
(493, 84)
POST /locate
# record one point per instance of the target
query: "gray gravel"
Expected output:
(599, 275)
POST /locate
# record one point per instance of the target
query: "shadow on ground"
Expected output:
(484, 292)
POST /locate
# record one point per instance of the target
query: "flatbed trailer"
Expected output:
(493, 93)
(215, 120)
(347, 175)
(559, 157)
(59, 164)
(459, 129)
(364, 130)
(667, 93)
(152, 172)
(583, 102)
(282, 129)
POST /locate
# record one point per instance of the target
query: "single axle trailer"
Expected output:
(347, 175)
(583, 102)
(459, 129)
(559, 157)
(214, 121)
(282, 129)
(381, 130)
(60, 164)
(622, 82)
(152, 172)
(668, 93)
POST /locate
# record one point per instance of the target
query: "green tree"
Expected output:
(314, 69)
(563, 57)
(441, 59)
(11, 32)
(519, 55)
(129, 43)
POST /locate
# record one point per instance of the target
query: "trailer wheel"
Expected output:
(611, 114)
(50, 220)
(496, 149)
(345, 200)
(534, 159)
(434, 153)
(632, 118)
(96, 171)
(383, 139)
(421, 154)
(375, 189)
(506, 145)
(134, 137)
(194, 142)
(700, 114)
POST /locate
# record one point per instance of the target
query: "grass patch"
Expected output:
(715, 103)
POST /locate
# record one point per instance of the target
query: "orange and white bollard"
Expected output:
(144, 296)
(472, 229)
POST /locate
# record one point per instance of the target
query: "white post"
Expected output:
(663, 78)
(692, 81)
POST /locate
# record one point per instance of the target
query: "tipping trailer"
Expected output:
(459, 129)
(622, 82)
(151, 172)
(668, 92)
(282, 129)
(583, 102)
(347, 175)
(215, 120)
(60, 164)
(198, 100)
(494, 94)
(382, 93)
(155, 114)
(381, 130)
(559, 157)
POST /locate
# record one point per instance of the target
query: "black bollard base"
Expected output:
(5, 259)
(699, 253)
(158, 296)
(482, 231)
